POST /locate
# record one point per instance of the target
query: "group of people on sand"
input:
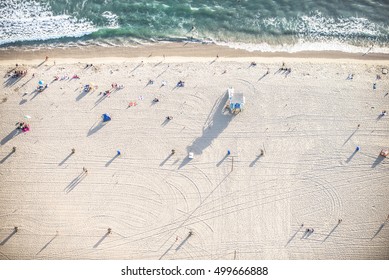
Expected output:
(115, 86)
(19, 73)
(22, 126)
(66, 77)
(285, 69)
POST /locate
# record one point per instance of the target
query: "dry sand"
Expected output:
(305, 122)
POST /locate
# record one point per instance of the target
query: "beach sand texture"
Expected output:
(256, 207)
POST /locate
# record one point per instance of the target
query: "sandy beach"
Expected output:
(160, 205)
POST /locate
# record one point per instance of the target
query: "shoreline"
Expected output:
(170, 50)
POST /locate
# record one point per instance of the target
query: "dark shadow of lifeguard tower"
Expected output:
(223, 111)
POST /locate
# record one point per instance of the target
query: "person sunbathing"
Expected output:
(19, 125)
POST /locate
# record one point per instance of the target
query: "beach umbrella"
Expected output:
(41, 83)
(106, 117)
(27, 117)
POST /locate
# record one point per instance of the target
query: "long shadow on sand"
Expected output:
(329, 234)
(351, 156)
(184, 162)
(96, 127)
(165, 122)
(217, 121)
(8, 237)
(65, 159)
(7, 156)
(348, 139)
(111, 160)
(81, 95)
(378, 231)
(35, 94)
(47, 244)
(101, 99)
(7, 138)
(254, 162)
(166, 159)
(294, 235)
(75, 182)
(25, 83)
(101, 240)
(222, 160)
(136, 67)
(11, 81)
(167, 251)
(377, 161)
(183, 242)
(263, 76)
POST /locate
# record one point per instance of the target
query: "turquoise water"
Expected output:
(257, 24)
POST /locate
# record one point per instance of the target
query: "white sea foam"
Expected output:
(317, 25)
(111, 18)
(316, 32)
(30, 20)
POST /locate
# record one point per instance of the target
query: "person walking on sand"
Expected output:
(85, 170)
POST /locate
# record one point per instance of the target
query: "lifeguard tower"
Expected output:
(235, 101)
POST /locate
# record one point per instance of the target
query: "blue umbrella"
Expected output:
(41, 83)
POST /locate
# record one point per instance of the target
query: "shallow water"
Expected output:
(266, 25)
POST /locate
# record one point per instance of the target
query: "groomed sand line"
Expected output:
(309, 178)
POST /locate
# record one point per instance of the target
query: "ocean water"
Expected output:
(265, 25)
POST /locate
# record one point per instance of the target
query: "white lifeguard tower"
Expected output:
(235, 102)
